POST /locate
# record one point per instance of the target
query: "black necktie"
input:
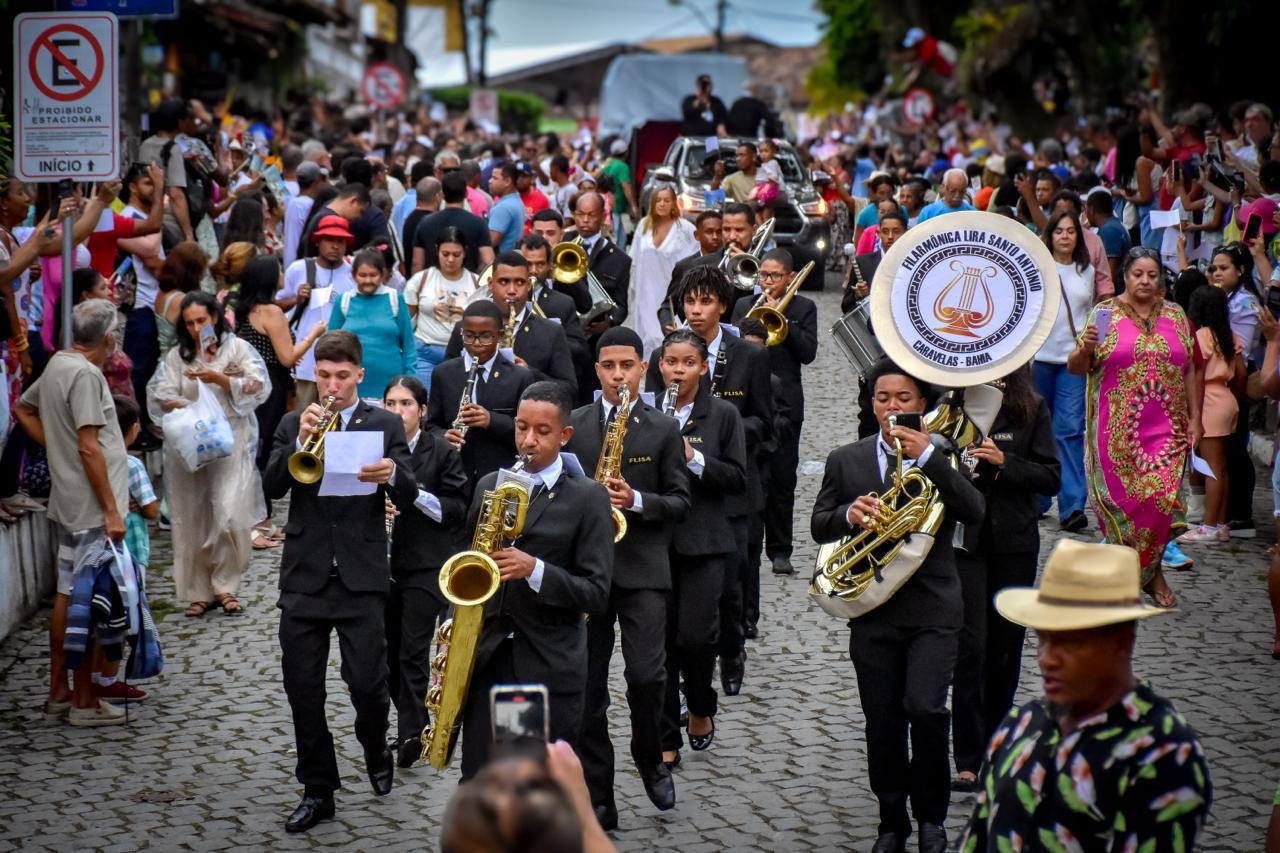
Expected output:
(890, 469)
(538, 488)
(610, 418)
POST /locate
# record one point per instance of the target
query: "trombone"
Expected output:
(744, 268)
(570, 264)
(774, 317)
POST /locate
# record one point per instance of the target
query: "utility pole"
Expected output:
(466, 42)
(722, 8)
(482, 76)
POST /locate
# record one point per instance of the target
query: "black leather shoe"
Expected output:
(313, 809)
(382, 770)
(750, 631)
(933, 838)
(890, 842)
(700, 742)
(408, 752)
(607, 815)
(1075, 522)
(731, 671)
(782, 565)
(660, 787)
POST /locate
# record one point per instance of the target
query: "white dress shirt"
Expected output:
(637, 502)
(549, 476)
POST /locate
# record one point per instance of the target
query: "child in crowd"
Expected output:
(768, 179)
(143, 504)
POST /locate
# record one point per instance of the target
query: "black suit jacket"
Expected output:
(864, 266)
(486, 449)
(653, 464)
(541, 343)
(558, 306)
(421, 544)
(612, 267)
(351, 530)
(671, 302)
(800, 348)
(1031, 468)
(931, 597)
(744, 383)
(569, 529)
(714, 429)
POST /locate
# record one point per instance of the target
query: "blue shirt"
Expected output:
(939, 207)
(869, 216)
(1115, 239)
(507, 218)
(401, 209)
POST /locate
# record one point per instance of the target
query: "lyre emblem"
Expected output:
(959, 315)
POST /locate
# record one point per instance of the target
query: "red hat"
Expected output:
(333, 226)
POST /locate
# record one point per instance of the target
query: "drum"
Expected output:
(852, 333)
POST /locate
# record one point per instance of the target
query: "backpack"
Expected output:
(395, 302)
(199, 190)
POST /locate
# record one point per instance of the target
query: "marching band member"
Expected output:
(653, 492)
(484, 428)
(549, 225)
(904, 650)
(331, 580)
(611, 265)
(777, 272)
(557, 572)
(558, 307)
(707, 231)
(703, 546)
(421, 540)
(539, 344)
(738, 372)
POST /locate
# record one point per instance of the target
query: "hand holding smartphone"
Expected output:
(520, 714)
(1102, 322)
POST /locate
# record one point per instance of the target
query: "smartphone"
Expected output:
(1252, 227)
(907, 420)
(66, 189)
(519, 713)
(1102, 319)
(1176, 170)
(208, 337)
(1273, 301)
(123, 268)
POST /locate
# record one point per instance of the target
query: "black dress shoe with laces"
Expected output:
(933, 838)
(890, 842)
(782, 565)
(750, 631)
(660, 786)
(314, 808)
(408, 752)
(382, 770)
(607, 815)
(731, 671)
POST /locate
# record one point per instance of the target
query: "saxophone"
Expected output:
(610, 463)
(468, 579)
(509, 331)
(468, 397)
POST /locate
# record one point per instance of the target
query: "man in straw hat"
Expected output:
(1101, 760)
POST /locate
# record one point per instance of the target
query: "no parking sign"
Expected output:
(917, 106)
(67, 119)
(384, 86)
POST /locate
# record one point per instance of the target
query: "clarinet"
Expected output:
(468, 397)
(669, 409)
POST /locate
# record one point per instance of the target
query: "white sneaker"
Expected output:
(105, 714)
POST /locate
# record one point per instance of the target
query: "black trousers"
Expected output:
(305, 624)
(1241, 475)
(411, 626)
(751, 571)
(903, 673)
(780, 499)
(140, 344)
(693, 625)
(731, 637)
(968, 685)
(564, 716)
(1003, 660)
(642, 616)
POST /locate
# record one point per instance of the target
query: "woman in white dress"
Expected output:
(213, 509)
(662, 238)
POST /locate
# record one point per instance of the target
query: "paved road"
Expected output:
(208, 763)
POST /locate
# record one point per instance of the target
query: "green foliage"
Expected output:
(517, 111)
(978, 26)
(855, 49)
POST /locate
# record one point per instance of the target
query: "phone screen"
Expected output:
(908, 420)
(1252, 226)
(208, 337)
(519, 713)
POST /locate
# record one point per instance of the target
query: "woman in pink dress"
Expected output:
(1143, 415)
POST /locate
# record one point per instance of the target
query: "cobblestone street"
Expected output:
(208, 762)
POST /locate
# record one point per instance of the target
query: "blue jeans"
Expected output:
(429, 355)
(1064, 394)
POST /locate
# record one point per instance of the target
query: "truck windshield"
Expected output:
(698, 163)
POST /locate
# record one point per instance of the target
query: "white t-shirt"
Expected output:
(1078, 288)
(148, 286)
(428, 287)
(769, 171)
(329, 285)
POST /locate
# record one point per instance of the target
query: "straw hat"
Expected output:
(1084, 586)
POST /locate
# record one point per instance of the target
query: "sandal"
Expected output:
(230, 605)
(198, 608)
(262, 541)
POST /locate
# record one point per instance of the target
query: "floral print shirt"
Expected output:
(1130, 779)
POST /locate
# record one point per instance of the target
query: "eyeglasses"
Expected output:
(772, 276)
(478, 337)
(1143, 252)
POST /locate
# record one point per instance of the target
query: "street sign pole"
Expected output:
(68, 249)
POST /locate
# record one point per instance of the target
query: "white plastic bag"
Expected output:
(199, 432)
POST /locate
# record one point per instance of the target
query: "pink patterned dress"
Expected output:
(1136, 428)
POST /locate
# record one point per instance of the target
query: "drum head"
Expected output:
(965, 298)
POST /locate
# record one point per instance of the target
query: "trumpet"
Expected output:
(744, 268)
(307, 465)
(774, 317)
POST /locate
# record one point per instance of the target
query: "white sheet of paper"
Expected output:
(713, 144)
(320, 296)
(1198, 464)
(345, 453)
(1165, 219)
